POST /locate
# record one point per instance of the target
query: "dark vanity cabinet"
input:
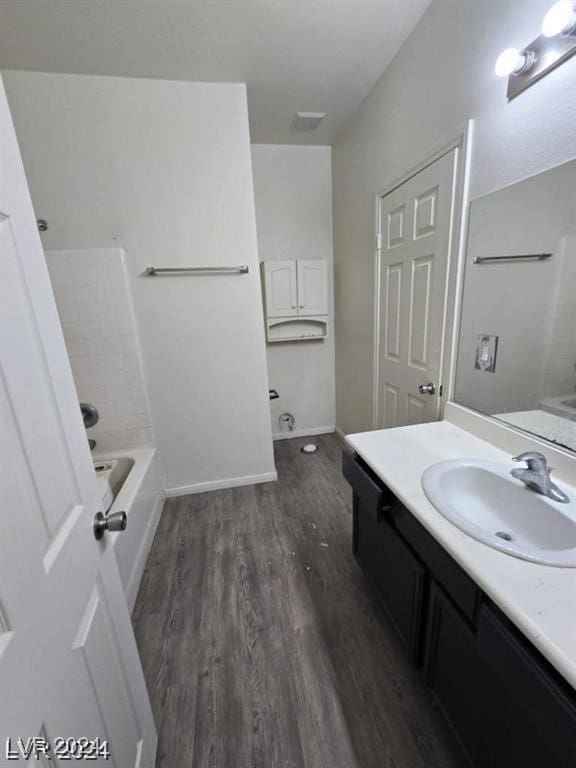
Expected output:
(386, 559)
(506, 704)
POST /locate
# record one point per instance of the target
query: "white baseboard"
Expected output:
(303, 433)
(217, 485)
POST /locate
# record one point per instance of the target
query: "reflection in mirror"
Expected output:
(517, 343)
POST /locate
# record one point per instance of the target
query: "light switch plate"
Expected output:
(486, 350)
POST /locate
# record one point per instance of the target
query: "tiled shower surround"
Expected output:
(93, 300)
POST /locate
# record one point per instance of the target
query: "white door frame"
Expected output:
(462, 142)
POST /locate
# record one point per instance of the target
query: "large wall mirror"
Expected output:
(517, 344)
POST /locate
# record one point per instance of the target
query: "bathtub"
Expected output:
(562, 406)
(131, 481)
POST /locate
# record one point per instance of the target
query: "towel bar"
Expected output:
(521, 256)
(153, 271)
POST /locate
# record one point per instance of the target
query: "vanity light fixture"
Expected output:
(560, 19)
(513, 62)
(553, 47)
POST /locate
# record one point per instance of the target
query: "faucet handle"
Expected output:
(535, 461)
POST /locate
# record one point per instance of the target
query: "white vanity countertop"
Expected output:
(539, 599)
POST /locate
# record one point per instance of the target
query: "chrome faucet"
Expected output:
(536, 475)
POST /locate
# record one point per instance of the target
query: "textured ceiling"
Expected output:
(308, 55)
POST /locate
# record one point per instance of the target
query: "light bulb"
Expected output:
(510, 61)
(560, 19)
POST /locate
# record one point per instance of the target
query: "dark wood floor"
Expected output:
(262, 643)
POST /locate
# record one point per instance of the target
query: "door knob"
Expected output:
(427, 389)
(117, 521)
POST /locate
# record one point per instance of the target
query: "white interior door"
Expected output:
(69, 665)
(415, 231)
(280, 288)
(312, 287)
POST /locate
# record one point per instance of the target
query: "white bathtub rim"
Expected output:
(124, 501)
(142, 458)
(135, 578)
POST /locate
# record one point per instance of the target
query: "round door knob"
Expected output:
(427, 389)
(117, 521)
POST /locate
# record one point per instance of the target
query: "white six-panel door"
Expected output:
(69, 664)
(415, 229)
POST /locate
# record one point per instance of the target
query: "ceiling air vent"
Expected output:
(307, 121)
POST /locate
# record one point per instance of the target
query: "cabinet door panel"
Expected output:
(312, 287)
(395, 573)
(459, 586)
(482, 709)
(548, 703)
(280, 288)
(365, 486)
(458, 679)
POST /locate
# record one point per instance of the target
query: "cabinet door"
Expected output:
(459, 681)
(280, 288)
(312, 287)
(483, 710)
(543, 702)
(395, 573)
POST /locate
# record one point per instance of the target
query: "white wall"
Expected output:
(293, 192)
(442, 76)
(93, 300)
(560, 372)
(163, 169)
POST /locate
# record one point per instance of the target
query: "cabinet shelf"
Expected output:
(296, 328)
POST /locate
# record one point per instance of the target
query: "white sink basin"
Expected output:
(486, 502)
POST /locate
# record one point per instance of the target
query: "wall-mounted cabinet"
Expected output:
(295, 299)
